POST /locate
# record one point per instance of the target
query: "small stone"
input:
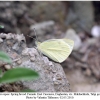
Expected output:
(15, 46)
(19, 62)
(32, 59)
(7, 67)
(9, 36)
(29, 51)
(58, 77)
(54, 71)
(20, 37)
(9, 43)
(50, 63)
(42, 27)
(91, 41)
(71, 34)
(95, 31)
(25, 52)
(56, 82)
(14, 55)
(3, 35)
(46, 60)
(88, 72)
(1, 40)
(54, 79)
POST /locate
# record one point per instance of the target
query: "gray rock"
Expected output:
(48, 11)
(71, 34)
(95, 31)
(91, 41)
(43, 27)
(52, 77)
(81, 16)
(18, 16)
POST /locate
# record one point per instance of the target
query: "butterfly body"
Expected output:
(56, 49)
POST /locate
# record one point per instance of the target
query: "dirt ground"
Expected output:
(80, 82)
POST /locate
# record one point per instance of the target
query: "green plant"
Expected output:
(1, 26)
(4, 57)
(16, 74)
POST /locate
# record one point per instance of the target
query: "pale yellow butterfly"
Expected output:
(56, 49)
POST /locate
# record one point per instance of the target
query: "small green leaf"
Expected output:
(4, 57)
(28, 90)
(0, 71)
(1, 26)
(17, 74)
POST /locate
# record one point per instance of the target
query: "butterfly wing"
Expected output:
(56, 49)
(69, 42)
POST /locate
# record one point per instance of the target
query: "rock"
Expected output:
(86, 44)
(71, 17)
(1, 40)
(95, 31)
(42, 28)
(80, 16)
(50, 72)
(11, 11)
(88, 72)
(18, 16)
(71, 34)
(7, 67)
(48, 10)
(91, 41)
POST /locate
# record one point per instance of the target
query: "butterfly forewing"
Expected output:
(56, 49)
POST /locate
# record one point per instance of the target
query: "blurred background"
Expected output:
(79, 21)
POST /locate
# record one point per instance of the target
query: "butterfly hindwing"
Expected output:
(69, 42)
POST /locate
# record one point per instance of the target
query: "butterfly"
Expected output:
(56, 49)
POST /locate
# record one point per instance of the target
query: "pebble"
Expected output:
(9, 36)
(71, 34)
(3, 35)
(95, 31)
(7, 67)
(9, 43)
(56, 83)
(32, 58)
(88, 72)
(20, 37)
(19, 62)
(46, 60)
(58, 77)
(1, 40)
(29, 51)
(42, 27)
(50, 63)
(25, 51)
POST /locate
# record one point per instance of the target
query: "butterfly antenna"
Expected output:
(30, 36)
(41, 55)
(36, 39)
